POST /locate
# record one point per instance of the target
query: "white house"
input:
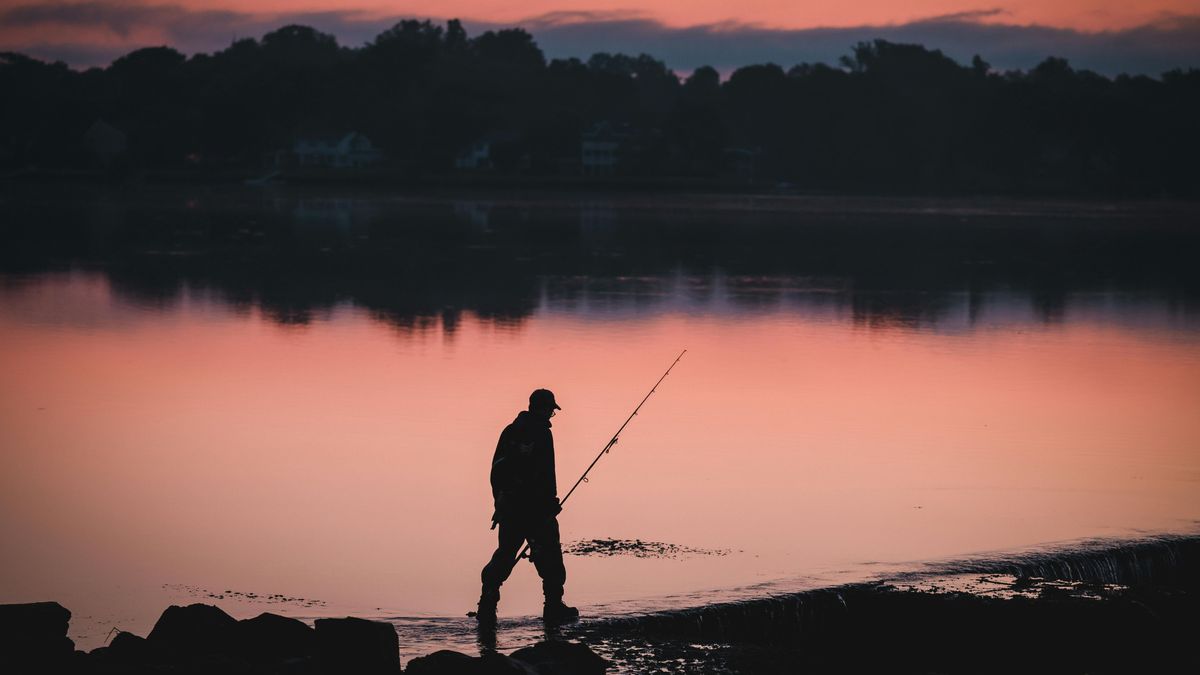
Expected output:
(478, 155)
(105, 142)
(482, 154)
(601, 148)
(351, 150)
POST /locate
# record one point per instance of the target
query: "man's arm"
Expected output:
(551, 486)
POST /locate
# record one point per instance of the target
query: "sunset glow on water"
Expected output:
(151, 448)
(868, 336)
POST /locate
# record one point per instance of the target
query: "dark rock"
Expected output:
(34, 635)
(494, 663)
(127, 643)
(34, 619)
(360, 646)
(127, 648)
(446, 662)
(184, 632)
(126, 654)
(562, 658)
(273, 638)
(79, 662)
(129, 654)
(203, 639)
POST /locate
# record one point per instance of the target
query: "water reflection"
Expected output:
(416, 263)
(251, 391)
(84, 299)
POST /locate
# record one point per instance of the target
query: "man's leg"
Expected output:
(498, 569)
(547, 558)
(546, 551)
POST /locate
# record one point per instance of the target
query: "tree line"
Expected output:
(887, 117)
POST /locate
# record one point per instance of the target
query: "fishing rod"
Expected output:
(611, 442)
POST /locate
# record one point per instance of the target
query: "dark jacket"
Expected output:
(523, 480)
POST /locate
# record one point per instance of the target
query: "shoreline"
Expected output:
(491, 206)
(1098, 606)
(500, 187)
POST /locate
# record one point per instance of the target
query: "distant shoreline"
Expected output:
(693, 197)
(405, 181)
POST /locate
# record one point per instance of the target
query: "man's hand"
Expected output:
(556, 508)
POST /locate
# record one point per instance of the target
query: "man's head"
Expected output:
(541, 402)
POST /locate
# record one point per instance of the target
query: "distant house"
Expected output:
(105, 142)
(742, 162)
(477, 213)
(602, 148)
(348, 151)
(499, 149)
(475, 156)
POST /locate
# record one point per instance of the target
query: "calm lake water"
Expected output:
(291, 402)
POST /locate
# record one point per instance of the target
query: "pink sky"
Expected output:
(1106, 35)
(1089, 15)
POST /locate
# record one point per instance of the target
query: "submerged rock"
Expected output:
(33, 637)
(447, 662)
(562, 658)
(444, 662)
(352, 645)
(638, 549)
(545, 658)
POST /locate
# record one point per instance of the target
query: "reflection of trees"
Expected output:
(420, 264)
(902, 309)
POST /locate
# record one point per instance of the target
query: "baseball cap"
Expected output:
(543, 398)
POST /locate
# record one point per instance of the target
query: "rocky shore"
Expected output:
(1127, 608)
(200, 639)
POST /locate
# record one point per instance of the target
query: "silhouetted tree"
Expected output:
(888, 117)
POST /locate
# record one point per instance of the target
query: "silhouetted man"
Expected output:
(526, 493)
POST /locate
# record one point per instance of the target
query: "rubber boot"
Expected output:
(555, 612)
(488, 599)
